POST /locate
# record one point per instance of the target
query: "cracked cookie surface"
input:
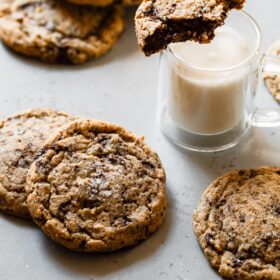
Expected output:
(59, 32)
(272, 82)
(97, 187)
(237, 224)
(20, 138)
(161, 22)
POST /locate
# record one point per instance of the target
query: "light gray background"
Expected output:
(122, 88)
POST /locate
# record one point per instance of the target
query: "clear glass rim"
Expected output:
(246, 61)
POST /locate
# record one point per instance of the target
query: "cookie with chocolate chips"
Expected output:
(20, 138)
(237, 224)
(161, 22)
(59, 32)
(97, 187)
(272, 82)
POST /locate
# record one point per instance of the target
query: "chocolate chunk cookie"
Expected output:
(161, 22)
(104, 3)
(272, 82)
(237, 224)
(59, 32)
(20, 138)
(97, 187)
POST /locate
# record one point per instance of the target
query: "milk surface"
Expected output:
(209, 100)
(227, 49)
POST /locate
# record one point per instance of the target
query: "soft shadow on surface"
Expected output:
(17, 221)
(123, 48)
(101, 264)
(252, 151)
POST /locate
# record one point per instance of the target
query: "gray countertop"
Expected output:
(122, 88)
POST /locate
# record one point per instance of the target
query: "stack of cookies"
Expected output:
(57, 31)
(89, 185)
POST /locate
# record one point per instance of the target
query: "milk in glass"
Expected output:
(204, 98)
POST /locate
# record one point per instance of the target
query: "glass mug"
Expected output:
(205, 117)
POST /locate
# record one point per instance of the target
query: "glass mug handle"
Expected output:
(270, 64)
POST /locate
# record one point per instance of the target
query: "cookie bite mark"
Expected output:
(161, 22)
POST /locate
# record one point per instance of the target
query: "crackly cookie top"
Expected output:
(160, 22)
(57, 31)
(272, 82)
(186, 9)
(237, 223)
(20, 138)
(97, 187)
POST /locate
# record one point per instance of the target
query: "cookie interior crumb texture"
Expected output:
(97, 187)
(59, 32)
(20, 138)
(160, 22)
(237, 224)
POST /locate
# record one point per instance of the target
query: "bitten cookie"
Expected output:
(97, 187)
(161, 22)
(59, 32)
(20, 138)
(272, 82)
(237, 224)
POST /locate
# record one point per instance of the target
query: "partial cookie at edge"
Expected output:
(272, 82)
(237, 224)
(59, 32)
(20, 138)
